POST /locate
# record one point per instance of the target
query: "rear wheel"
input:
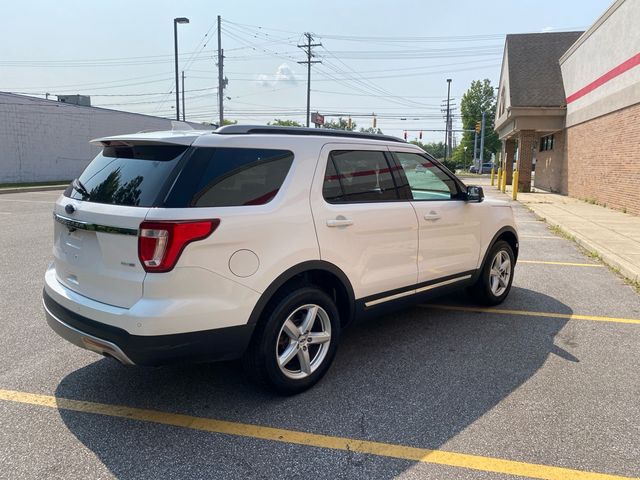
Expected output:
(494, 283)
(295, 342)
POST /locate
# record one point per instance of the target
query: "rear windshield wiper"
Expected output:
(80, 188)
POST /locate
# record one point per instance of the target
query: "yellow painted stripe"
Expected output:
(570, 316)
(547, 237)
(440, 457)
(569, 264)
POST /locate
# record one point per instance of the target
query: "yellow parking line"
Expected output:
(440, 457)
(570, 316)
(568, 264)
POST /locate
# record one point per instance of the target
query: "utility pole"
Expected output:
(183, 110)
(447, 139)
(450, 132)
(220, 75)
(482, 142)
(308, 62)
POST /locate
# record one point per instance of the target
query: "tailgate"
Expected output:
(96, 251)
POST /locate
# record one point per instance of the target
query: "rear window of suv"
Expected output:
(226, 177)
(128, 175)
(358, 176)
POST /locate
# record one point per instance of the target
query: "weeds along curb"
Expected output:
(586, 249)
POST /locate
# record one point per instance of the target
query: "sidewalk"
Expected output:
(34, 188)
(613, 235)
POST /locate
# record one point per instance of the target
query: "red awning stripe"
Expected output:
(619, 70)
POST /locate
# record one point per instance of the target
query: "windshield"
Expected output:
(129, 175)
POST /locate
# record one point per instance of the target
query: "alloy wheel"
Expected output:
(303, 341)
(500, 273)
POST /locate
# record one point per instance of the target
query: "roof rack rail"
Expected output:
(324, 132)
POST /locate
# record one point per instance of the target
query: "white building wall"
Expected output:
(612, 40)
(42, 140)
(504, 92)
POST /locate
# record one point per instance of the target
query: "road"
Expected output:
(548, 381)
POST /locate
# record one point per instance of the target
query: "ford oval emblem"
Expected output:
(69, 208)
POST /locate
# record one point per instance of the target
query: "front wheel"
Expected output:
(494, 283)
(294, 344)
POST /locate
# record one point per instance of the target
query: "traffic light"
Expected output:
(405, 134)
(420, 136)
(477, 127)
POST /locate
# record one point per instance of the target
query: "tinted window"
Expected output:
(133, 175)
(224, 177)
(426, 180)
(358, 176)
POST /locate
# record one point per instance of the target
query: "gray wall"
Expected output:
(42, 140)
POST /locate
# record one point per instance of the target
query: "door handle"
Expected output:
(432, 216)
(339, 222)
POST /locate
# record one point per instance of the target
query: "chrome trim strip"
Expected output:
(97, 345)
(442, 284)
(73, 224)
(419, 290)
(389, 298)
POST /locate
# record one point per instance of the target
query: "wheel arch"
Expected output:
(509, 235)
(323, 274)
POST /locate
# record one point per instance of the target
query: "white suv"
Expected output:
(262, 243)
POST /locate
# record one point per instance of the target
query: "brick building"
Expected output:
(569, 102)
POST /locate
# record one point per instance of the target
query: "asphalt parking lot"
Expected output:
(546, 385)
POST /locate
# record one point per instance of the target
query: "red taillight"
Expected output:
(161, 243)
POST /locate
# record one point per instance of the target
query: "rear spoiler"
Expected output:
(172, 137)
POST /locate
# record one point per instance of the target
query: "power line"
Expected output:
(115, 94)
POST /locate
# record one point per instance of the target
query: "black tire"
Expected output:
(481, 291)
(261, 358)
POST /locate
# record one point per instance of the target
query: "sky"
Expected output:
(390, 59)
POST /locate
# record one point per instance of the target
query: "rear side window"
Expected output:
(227, 177)
(128, 175)
(358, 176)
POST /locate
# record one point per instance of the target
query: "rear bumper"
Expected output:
(200, 346)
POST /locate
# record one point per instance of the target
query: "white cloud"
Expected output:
(264, 80)
(283, 74)
(547, 29)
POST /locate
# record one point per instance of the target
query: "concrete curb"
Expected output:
(42, 188)
(625, 268)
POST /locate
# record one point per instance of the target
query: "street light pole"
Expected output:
(176, 21)
(184, 114)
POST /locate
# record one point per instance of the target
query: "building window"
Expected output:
(546, 143)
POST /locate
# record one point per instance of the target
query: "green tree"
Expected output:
(479, 98)
(461, 157)
(340, 124)
(226, 121)
(285, 123)
(435, 149)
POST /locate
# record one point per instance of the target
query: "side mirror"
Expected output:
(474, 194)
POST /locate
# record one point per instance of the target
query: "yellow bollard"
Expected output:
(503, 187)
(492, 175)
(514, 193)
(499, 177)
